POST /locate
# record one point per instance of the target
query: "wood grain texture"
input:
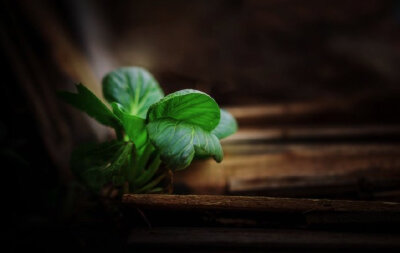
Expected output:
(214, 202)
(335, 170)
(262, 212)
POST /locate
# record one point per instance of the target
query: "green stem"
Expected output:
(149, 173)
(151, 185)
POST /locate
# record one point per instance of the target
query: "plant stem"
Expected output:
(151, 184)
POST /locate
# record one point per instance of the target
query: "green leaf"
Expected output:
(180, 126)
(189, 106)
(132, 87)
(227, 125)
(98, 164)
(86, 101)
(134, 127)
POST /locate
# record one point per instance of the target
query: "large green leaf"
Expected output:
(86, 101)
(227, 125)
(132, 87)
(190, 106)
(180, 126)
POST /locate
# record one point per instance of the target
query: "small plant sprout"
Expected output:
(156, 134)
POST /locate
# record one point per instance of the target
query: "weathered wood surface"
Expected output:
(336, 134)
(337, 170)
(248, 203)
(233, 211)
(355, 111)
(234, 223)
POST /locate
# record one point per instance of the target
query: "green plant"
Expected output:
(156, 135)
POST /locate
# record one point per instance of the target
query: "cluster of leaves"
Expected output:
(155, 134)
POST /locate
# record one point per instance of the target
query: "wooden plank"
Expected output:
(319, 169)
(311, 149)
(266, 212)
(267, 204)
(213, 239)
(272, 110)
(297, 170)
(316, 134)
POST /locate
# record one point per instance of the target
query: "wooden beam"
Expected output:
(262, 212)
(267, 204)
(315, 134)
(359, 171)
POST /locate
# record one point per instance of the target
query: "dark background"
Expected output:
(341, 56)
